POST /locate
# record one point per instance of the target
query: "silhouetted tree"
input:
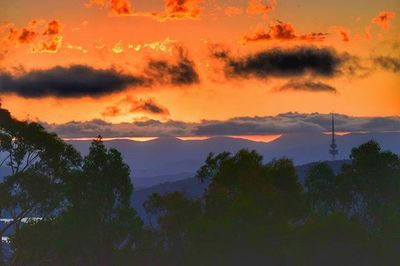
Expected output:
(250, 208)
(252, 213)
(36, 162)
(355, 214)
(321, 189)
(372, 185)
(174, 213)
(97, 222)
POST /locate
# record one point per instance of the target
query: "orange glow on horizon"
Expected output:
(193, 138)
(257, 138)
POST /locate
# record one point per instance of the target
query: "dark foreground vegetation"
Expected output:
(251, 214)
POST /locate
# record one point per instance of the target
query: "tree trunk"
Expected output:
(1, 252)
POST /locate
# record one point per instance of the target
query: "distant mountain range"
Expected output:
(171, 159)
(169, 164)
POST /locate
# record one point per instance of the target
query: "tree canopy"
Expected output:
(252, 212)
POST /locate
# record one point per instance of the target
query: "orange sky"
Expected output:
(126, 35)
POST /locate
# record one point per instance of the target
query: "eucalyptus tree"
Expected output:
(34, 163)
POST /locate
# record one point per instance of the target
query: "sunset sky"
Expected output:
(201, 67)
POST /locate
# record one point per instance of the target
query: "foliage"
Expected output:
(252, 213)
(97, 220)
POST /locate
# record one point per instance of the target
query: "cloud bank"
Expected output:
(280, 124)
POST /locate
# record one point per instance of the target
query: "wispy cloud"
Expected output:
(260, 6)
(307, 85)
(388, 63)
(129, 105)
(343, 32)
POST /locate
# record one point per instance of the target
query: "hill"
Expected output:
(172, 159)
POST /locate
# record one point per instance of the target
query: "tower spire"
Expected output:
(333, 147)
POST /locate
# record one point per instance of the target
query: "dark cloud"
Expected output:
(245, 126)
(82, 80)
(180, 72)
(150, 128)
(281, 62)
(259, 125)
(307, 85)
(149, 106)
(388, 63)
(129, 105)
(73, 81)
(296, 123)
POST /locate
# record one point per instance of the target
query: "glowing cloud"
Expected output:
(279, 30)
(384, 19)
(173, 9)
(121, 7)
(118, 48)
(343, 33)
(179, 9)
(43, 37)
(26, 36)
(53, 28)
(54, 38)
(117, 7)
(50, 46)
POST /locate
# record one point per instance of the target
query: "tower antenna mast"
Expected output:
(333, 147)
